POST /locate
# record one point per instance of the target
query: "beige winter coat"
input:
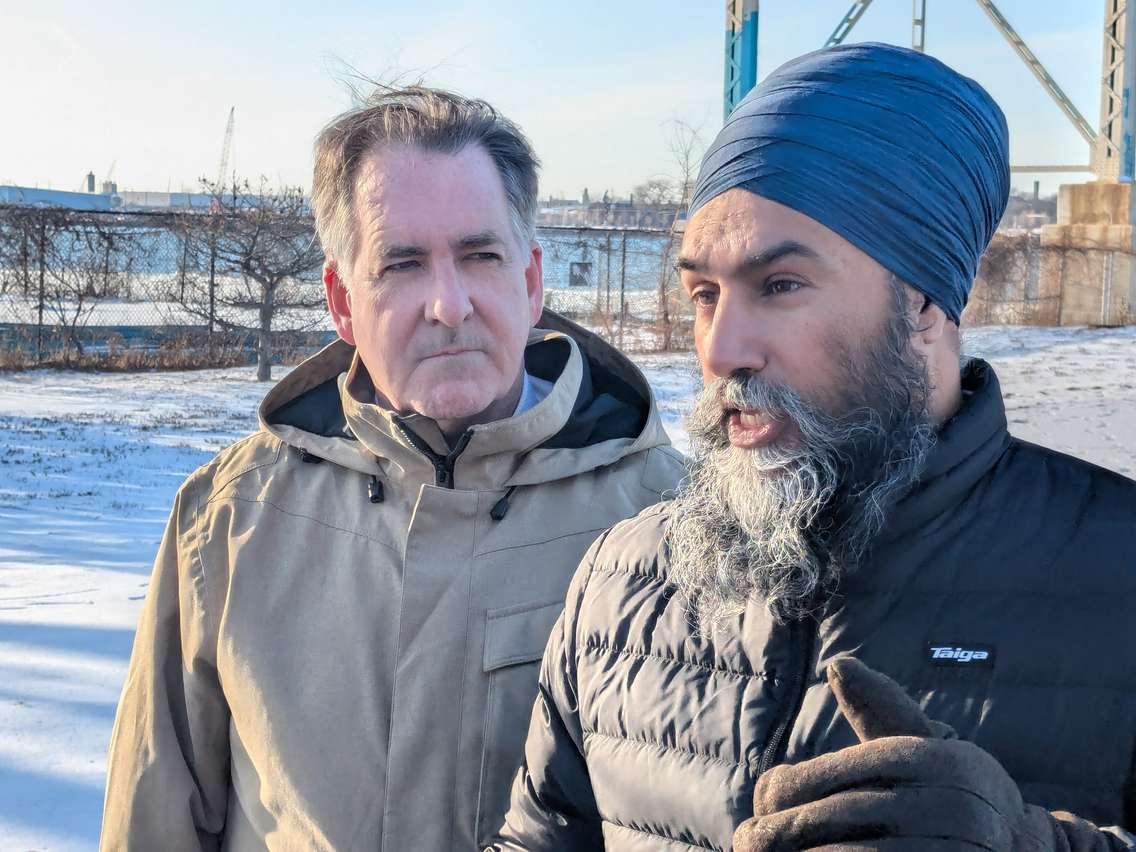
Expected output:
(316, 669)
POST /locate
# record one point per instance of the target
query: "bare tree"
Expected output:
(19, 235)
(686, 152)
(654, 192)
(263, 259)
(82, 259)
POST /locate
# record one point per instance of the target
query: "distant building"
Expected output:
(110, 199)
(1029, 211)
(166, 200)
(610, 213)
(32, 197)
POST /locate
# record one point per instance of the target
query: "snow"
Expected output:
(88, 468)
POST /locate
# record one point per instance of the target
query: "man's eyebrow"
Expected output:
(785, 248)
(399, 252)
(479, 240)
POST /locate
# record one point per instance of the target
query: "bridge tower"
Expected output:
(741, 51)
(1113, 153)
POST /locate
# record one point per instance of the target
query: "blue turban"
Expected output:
(897, 153)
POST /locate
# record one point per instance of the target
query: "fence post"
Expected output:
(24, 259)
(622, 287)
(607, 283)
(184, 263)
(212, 288)
(42, 285)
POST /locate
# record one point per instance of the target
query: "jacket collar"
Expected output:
(968, 446)
(490, 452)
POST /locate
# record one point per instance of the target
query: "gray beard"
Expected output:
(783, 525)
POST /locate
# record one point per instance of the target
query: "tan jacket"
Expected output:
(315, 669)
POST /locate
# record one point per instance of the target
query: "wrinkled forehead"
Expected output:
(738, 226)
(408, 194)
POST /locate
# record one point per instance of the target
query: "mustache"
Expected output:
(435, 344)
(747, 390)
(740, 391)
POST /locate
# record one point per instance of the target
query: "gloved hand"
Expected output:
(907, 786)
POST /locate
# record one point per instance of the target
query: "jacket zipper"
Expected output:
(778, 743)
(443, 465)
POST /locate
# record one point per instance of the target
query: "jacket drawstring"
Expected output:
(375, 492)
(501, 507)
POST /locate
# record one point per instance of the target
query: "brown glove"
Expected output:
(906, 786)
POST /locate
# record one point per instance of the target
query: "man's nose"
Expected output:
(731, 342)
(449, 302)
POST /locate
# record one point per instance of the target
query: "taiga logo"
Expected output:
(968, 654)
(963, 655)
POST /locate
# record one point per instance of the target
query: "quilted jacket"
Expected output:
(1002, 595)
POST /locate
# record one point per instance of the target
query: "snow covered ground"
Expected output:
(89, 465)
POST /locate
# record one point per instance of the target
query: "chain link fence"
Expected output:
(137, 290)
(621, 283)
(241, 284)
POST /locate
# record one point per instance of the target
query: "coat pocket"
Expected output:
(514, 644)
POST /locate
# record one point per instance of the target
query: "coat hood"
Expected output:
(600, 409)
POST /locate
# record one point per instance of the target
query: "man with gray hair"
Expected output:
(340, 642)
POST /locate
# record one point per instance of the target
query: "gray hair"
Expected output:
(421, 117)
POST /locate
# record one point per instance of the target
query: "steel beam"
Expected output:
(1113, 152)
(1038, 70)
(918, 24)
(1039, 170)
(848, 22)
(741, 51)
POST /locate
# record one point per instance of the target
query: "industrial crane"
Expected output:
(226, 147)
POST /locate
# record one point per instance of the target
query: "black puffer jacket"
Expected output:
(646, 736)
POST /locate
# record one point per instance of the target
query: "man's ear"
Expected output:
(927, 320)
(534, 282)
(930, 323)
(338, 301)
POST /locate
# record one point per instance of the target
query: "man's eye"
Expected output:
(779, 286)
(401, 266)
(484, 255)
(704, 298)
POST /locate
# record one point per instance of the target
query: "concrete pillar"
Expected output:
(1087, 270)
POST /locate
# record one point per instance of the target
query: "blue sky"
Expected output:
(148, 86)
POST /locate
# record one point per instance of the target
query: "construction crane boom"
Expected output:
(848, 22)
(1034, 64)
(219, 187)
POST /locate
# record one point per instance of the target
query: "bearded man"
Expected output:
(854, 501)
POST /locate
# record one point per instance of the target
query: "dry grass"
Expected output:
(188, 352)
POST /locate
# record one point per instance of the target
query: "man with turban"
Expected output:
(871, 618)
